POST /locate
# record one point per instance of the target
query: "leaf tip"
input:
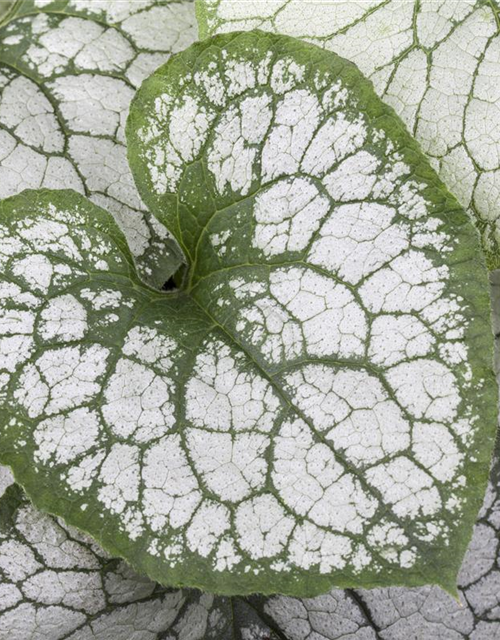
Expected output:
(451, 588)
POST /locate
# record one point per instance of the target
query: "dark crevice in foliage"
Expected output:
(169, 285)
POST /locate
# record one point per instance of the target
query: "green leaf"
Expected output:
(57, 584)
(435, 63)
(315, 407)
(68, 70)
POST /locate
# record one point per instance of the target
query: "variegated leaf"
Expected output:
(436, 62)
(316, 405)
(68, 70)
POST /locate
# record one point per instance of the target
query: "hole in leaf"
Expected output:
(169, 285)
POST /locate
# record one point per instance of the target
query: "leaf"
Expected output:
(68, 70)
(394, 612)
(362, 615)
(435, 63)
(56, 584)
(222, 436)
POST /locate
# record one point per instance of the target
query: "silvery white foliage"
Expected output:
(57, 584)
(6, 479)
(68, 71)
(436, 62)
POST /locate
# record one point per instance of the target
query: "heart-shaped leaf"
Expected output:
(316, 405)
(435, 63)
(68, 70)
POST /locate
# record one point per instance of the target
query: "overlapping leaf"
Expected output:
(316, 405)
(435, 63)
(68, 70)
(56, 584)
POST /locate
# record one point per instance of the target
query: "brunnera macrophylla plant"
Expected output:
(314, 406)
(435, 63)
